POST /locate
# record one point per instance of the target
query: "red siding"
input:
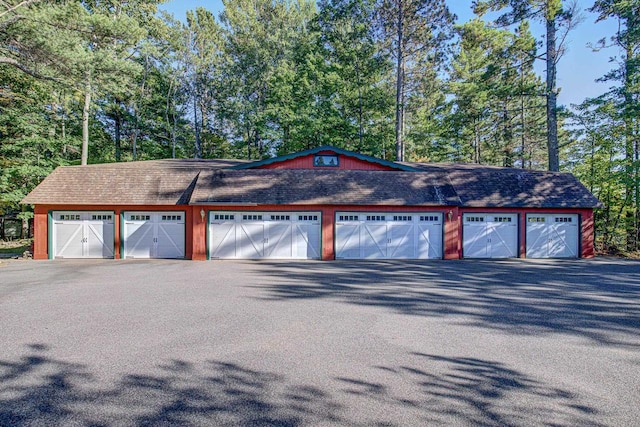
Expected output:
(345, 162)
(40, 237)
(196, 226)
(587, 231)
(198, 242)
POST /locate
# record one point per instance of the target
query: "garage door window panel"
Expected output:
(170, 240)
(279, 240)
(66, 242)
(99, 238)
(307, 241)
(252, 239)
(374, 241)
(401, 241)
(348, 240)
(223, 241)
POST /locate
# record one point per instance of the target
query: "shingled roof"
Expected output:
(492, 186)
(334, 187)
(152, 182)
(182, 182)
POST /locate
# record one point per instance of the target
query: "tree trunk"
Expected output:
(204, 123)
(399, 83)
(134, 143)
(523, 135)
(476, 140)
(249, 142)
(360, 110)
(552, 117)
(118, 141)
(631, 186)
(24, 230)
(636, 185)
(507, 136)
(136, 112)
(198, 147)
(63, 127)
(403, 113)
(174, 137)
(85, 125)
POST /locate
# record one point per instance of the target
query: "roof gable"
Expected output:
(320, 158)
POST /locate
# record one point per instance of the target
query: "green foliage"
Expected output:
(415, 34)
(355, 97)
(30, 146)
(261, 39)
(494, 113)
(608, 134)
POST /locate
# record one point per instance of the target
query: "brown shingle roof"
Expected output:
(491, 186)
(174, 182)
(307, 186)
(153, 182)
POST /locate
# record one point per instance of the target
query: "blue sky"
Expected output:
(577, 70)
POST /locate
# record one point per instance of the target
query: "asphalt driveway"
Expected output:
(320, 343)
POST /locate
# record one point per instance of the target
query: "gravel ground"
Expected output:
(482, 343)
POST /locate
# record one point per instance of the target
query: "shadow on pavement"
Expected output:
(596, 300)
(39, 389)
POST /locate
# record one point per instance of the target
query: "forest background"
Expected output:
(97, 81)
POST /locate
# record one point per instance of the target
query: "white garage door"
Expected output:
(488, 235)
(272, 235)
(154, 234)
(388, 235)
(82, 234)
(552, 236)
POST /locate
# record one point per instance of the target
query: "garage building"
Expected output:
(324, 203)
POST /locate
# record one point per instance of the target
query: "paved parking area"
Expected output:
(320, 343)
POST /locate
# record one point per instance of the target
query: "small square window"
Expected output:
(502, 219)
(325, 161)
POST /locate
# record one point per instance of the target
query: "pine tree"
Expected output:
(259, 39)
(626, 99)
(553, 14)
(415, 33)
(354, 73)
